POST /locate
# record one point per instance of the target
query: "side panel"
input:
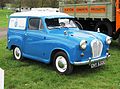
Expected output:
(117, 15)
(16, 40)
(39, 46)
(101, 10)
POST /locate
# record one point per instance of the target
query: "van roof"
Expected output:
(46, 14)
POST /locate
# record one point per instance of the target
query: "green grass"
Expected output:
(4, 16)
(30, 74)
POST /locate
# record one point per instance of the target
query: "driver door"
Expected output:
(34, 39)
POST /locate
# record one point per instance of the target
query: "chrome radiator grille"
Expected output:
(97, 47)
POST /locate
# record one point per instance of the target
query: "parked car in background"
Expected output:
(54, 37)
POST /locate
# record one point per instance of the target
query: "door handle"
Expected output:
(25, 34)
(44, 38)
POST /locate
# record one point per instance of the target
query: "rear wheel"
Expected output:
(62, 64)
(104, 27)
(17, 53)
(119, 40)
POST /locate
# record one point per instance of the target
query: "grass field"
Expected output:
(4, 15)
(30, 74)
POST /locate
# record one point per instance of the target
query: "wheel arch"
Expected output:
(12, 47)
(56, 51)
(15, 41)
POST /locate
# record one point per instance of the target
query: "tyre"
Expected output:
(119, 40)
(115, 36)
(17, 54)
(61, 63)
(104, 27)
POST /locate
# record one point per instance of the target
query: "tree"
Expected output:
(2, 3)
(39, 3)
(49, 3)
(34, 3)
(54, 3)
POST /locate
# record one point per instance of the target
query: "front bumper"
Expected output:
(92, 60)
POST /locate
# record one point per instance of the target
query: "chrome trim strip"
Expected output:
(91, 61)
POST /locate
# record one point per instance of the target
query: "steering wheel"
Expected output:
(79, 25)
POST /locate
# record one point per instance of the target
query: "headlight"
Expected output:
(108, 40)
(83, 44)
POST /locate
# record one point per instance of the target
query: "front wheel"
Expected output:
(62, 64)
(17, 53)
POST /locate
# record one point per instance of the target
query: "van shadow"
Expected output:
(79, 70)
(26, 63)
(38, 64)
(86, 70)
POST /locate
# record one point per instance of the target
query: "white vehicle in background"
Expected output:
(46, 9)
(25, 9)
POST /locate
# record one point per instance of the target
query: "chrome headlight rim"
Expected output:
(108, 40)
(83, 44)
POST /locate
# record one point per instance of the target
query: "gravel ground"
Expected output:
(3, 32)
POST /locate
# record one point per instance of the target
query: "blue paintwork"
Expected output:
(39, 45)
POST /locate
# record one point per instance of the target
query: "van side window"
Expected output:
(17, 23)
(35, 24)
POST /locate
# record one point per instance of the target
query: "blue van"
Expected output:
(55, 37)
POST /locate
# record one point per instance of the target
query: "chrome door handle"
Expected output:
(25, 34)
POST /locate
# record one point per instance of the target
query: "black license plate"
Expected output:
(97, 64)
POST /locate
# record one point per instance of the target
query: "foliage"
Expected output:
(2, 3)
(4, 16)
(34, 3)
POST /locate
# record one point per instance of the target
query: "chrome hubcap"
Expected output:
(17, 53)
(61, 64)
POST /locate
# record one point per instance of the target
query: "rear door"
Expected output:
(16, 31)
(117, 14)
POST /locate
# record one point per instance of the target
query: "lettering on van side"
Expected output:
(17, 23)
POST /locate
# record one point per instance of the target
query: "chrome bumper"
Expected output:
(92, 61)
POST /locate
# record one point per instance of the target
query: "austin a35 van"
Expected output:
(55, 37)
